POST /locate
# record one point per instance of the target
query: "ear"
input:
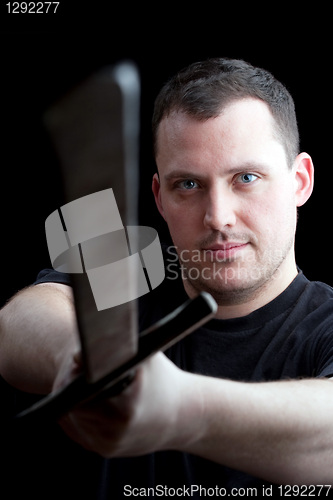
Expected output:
(156, 187)
(304, 178)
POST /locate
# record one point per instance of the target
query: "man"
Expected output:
(246, 400)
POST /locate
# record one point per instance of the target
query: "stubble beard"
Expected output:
(235, 281)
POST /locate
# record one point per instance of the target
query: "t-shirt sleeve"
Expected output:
(52, 276)
(327, 369)
(324, 354)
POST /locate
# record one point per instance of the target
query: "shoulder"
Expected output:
(313, 307)
(316, 295)
(154, 305)
(52, 276)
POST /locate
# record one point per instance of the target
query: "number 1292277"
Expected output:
(32, 7)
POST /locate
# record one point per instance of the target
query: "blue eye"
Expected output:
(188, 184)
(247, 178)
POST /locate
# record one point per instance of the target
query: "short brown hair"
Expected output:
(204, 88)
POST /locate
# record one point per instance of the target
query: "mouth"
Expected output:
(224, 251)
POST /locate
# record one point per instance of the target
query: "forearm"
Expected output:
(37, 329)
(279, 431)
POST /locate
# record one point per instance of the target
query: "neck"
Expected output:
(236, 306)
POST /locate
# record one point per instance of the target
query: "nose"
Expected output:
(220, 210)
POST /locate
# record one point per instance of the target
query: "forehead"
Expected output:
(243, 130)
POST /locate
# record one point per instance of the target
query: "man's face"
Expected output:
(228, 197)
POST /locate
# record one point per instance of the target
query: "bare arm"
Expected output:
(37, 330)
(281, 431)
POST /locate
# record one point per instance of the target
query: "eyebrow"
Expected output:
(182, 173)
(244, 167)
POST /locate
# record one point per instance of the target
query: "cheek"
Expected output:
(272, 217)
(183, 222)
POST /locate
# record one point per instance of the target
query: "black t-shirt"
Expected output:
(291, 337)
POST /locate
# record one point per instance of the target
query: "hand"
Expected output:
(142, 419)
(70, 368)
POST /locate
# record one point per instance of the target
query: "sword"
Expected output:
(95, 130)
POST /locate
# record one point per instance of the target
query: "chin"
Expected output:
(227, 290)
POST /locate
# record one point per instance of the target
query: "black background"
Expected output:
(43, 56)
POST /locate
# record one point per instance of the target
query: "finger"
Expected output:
(77, 358)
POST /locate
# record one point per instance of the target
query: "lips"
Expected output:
(225, 246)
(225, 251)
